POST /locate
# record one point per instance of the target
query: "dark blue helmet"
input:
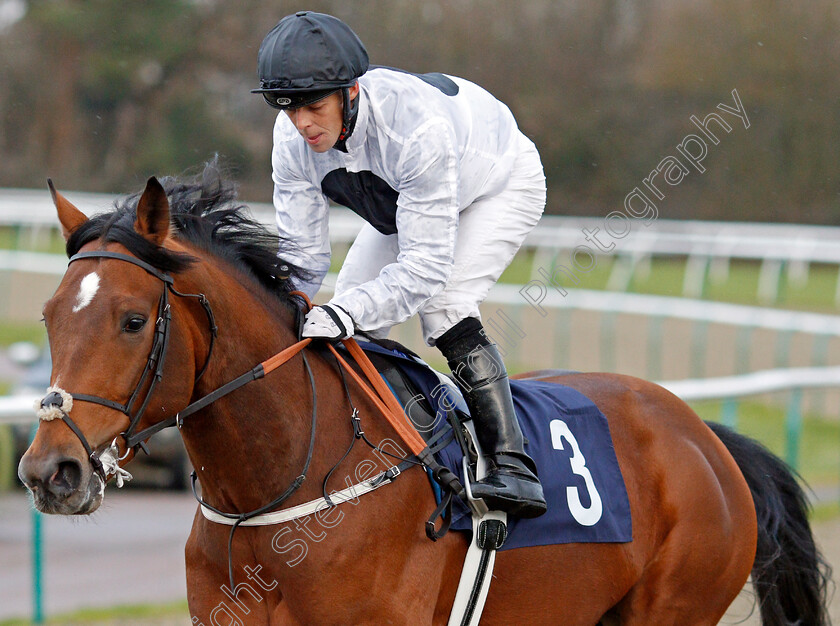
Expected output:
(306, 57)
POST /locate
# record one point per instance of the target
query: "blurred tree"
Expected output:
(100, 94)
(783, 58)
(101, 81)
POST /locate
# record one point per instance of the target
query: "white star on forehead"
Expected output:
(87, 289)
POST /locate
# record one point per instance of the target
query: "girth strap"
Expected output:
(314, 506)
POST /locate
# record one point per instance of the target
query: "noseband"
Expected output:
(133, 409)
(380, 396)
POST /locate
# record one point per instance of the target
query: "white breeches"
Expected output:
(490, 231)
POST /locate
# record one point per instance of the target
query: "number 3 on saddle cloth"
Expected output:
(567, 436)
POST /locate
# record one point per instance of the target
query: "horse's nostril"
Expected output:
(66, 478)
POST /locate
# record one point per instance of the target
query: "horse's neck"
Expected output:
(255, 439)
(250, 445)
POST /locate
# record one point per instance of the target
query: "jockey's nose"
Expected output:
(57, 475)
(300, 118)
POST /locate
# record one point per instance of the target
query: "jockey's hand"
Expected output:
(328, 321)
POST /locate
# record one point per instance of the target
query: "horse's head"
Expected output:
(132, 334)
(108, 327)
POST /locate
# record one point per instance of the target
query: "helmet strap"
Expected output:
(350, 113)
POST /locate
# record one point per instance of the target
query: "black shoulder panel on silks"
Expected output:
(440, 81)
(366, 194)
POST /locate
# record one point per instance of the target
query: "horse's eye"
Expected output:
(134, 325)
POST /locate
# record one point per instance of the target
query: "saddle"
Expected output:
(437, 411)
(584, 503)
(566, 434)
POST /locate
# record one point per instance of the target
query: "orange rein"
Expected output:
(380, 395)
(272, 363)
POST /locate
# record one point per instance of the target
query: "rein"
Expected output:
(380, 395)
(155, 363)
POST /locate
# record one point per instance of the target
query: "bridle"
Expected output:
(152, 374)
(154, 368)
(380, 395)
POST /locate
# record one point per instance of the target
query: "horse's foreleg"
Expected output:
(209, 595)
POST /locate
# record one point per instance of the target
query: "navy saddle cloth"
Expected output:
(569, 439)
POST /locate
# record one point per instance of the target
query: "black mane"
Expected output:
(206, 214)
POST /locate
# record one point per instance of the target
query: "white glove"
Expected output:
(328, 321)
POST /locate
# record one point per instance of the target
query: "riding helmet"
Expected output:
(306, 57)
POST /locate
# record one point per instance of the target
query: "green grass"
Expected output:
(817, 293)
(741, 285)
(522, 270)
(130, 614)
(819, 450)
(49, 241)
(10, 332)
(9, 238)
(825, 512)
(666, 277)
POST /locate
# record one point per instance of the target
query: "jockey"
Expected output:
(449, 188)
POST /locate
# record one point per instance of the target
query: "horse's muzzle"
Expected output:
(60, 484)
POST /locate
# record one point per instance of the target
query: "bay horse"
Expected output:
(709, 506)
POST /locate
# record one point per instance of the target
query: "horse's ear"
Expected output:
(153, 213)
(69, 216)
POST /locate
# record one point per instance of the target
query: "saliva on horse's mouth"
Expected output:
(46, 503)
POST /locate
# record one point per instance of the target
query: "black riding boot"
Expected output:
(511, 483)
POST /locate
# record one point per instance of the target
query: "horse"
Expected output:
(709, 506)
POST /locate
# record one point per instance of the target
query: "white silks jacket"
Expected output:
(418, 155)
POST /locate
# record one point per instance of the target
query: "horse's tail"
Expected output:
(789, 574)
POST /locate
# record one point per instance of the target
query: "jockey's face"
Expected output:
(320, 123)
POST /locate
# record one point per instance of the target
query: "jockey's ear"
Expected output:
(153, 213)
(69, 216)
